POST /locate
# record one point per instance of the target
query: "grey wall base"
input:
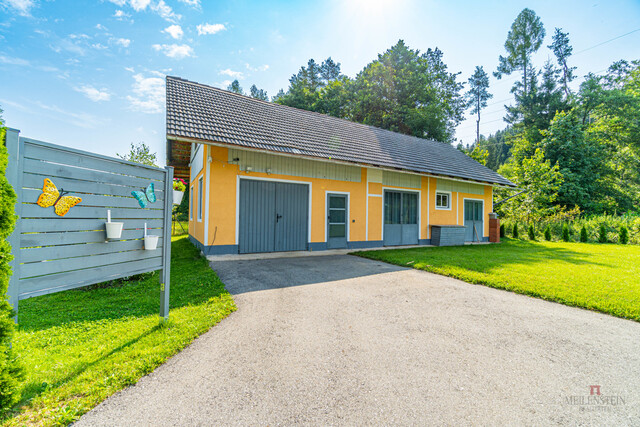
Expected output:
(314, 246)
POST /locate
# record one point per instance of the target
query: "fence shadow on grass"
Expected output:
(192, 283)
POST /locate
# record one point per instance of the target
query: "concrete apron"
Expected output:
(297, 254)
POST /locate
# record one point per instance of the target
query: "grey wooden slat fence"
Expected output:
(53, 253)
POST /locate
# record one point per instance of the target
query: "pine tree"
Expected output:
(478, 95)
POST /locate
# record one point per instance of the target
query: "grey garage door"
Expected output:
(273, 216)
(400, 218)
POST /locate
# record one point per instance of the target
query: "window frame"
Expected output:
(200, 197)
(443, 193)
(191, 203)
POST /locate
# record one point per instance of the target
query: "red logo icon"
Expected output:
(594, 389)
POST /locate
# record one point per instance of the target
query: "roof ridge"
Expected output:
(303, 111)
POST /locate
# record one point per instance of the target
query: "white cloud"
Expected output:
(99, 46)
(120, 15)
(139, 5)
(130, 69)
(165, 11)
(13, 61)
(123, 42)
(83, 120)
(23, 7)
(101, 27)
(233, 74)
(96, 95)
(176, 51)
(174, 31)
(264, 67)
(194, 3)
(148, 94)
(210, 28)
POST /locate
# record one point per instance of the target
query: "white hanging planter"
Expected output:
(177, 197)
(150, 243)
(114, 229)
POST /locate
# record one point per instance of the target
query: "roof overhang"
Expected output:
(187, 140)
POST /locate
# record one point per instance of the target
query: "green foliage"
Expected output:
(235, 87)
(547, 233)
(140, 153)
(258, 93)
(541, 182)
(624, 235)
(597, 277)
(602, 234)
(498, 148)
(562, 49)
(403, 90)
(524, 39)
(502, 230)
(515, 231)
(477, 96)
(565, 233)
(479, 155)
(11, 371)
(531, 232)
(584, 237)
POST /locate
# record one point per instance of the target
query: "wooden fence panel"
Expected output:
(54, 253)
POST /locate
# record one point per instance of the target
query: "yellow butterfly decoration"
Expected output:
(52, 197)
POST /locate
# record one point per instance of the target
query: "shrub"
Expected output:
(11, 373)
(515, 230)
(602, 234)
(531, 232)
(565, 232)
(178, 184)
(502, 230)
(547, 234)
(624, 235)
(583, 235)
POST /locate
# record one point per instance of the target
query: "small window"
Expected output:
(191, 203)
(443, 200)
(200, 202)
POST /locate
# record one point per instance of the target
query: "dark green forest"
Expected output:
(573, 151)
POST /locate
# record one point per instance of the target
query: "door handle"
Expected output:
(278, 216)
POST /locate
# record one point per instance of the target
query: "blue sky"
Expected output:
(90, 74)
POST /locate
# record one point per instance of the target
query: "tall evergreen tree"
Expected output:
(235, 87)
(524, 39)
(478, 95)
(258, 93)
(563, 50)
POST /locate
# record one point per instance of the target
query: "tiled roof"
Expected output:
(206, 113)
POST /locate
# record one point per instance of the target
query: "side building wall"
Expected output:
(222, 168)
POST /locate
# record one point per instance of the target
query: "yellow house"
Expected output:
(265, 177)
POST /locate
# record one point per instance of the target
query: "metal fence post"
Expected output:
(165, 280)
(14, 175)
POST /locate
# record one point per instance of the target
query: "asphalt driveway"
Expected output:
(342, 340)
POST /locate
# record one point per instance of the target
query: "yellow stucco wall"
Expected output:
(365, 203)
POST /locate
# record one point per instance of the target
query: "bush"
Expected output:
(547, 233)
(602, 234)
(502, 230)
(515, 230)
(565, 232)
(584, 237)
(624, 235)
(11, 373)
(531, 232)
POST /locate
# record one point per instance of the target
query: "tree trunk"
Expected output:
(478, 124)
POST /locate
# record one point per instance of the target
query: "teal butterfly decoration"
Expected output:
(145, 197)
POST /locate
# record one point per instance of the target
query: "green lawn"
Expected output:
(81, 346)
(602, 277)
